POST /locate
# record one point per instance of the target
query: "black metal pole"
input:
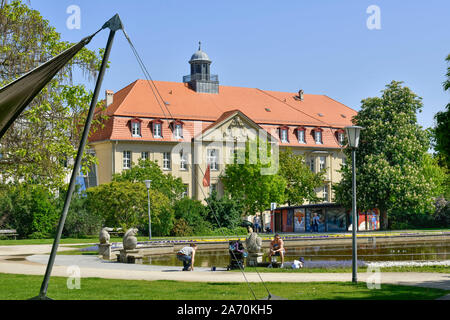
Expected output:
(355, 219)
(44, 286)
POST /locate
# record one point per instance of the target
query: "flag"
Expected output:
(207, 177)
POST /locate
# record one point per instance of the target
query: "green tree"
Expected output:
(246, 179)
(148, 170)
(392, 156)
(441, 130)
(301, 181)
(224, 212)
(125, 204)
(47, 133)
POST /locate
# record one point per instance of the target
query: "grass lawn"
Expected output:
(21, 287)
(439, 269)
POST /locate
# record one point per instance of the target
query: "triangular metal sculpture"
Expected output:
(15, 97)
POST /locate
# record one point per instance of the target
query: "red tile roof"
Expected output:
(269, 109)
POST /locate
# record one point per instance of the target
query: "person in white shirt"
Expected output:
(187, 256)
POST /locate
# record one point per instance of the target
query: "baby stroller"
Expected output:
(237, 255)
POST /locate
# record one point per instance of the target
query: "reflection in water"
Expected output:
(368, 252)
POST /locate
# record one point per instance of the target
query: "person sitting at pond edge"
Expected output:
(187, 256)
(277, 248)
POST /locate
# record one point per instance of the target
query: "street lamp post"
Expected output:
(147, 184)
(353, 142)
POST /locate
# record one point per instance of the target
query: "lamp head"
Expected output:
(147, 183)
(353, 135)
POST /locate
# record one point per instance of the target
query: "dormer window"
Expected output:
(284, 134)
(135, 128)
(177, 127)
(178, 131)
(340, 137)
(301, 135)
(157, 128)
(318, 135)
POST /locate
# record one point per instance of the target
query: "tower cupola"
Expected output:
(201, 80)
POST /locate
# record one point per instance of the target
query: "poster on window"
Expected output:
(372, 219)
(299, 220)
(368, 220)
(336, 220)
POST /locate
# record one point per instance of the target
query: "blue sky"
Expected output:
(322, 47)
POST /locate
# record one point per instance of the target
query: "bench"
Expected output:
(116, 234)
(8, 233)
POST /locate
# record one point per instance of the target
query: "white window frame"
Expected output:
(301, 136)
(318, 137)
(322, 163)
(145, 155)
(213, 160)
(126, 163)
(167, 161)
(136, 129)
(178, 131)
(325, 193)
(183, 160)
(341, 138)
(157, 133)
(284, 135)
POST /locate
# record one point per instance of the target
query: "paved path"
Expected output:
(30, 260)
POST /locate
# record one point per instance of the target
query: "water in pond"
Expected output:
(328, 253)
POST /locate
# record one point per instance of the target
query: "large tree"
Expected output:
(393, 168)
(36, 147)
(169, 185)
(248, 180)
(301, 181)
(442, 128)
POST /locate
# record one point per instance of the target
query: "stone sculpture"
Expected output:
(104, 235)
(130, 240)
(104, 247)
(253, 242)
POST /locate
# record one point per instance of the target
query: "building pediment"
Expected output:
(233, 126)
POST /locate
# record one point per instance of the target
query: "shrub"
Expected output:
(181, 228)
(406, 220)
(193, 212)
(225, 212)
(80, 221)
(32, 210)
(124, 204)
(230, 231)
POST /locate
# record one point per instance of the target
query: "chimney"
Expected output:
(300, 94)
(109, 97)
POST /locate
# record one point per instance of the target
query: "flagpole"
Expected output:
(114, 24)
